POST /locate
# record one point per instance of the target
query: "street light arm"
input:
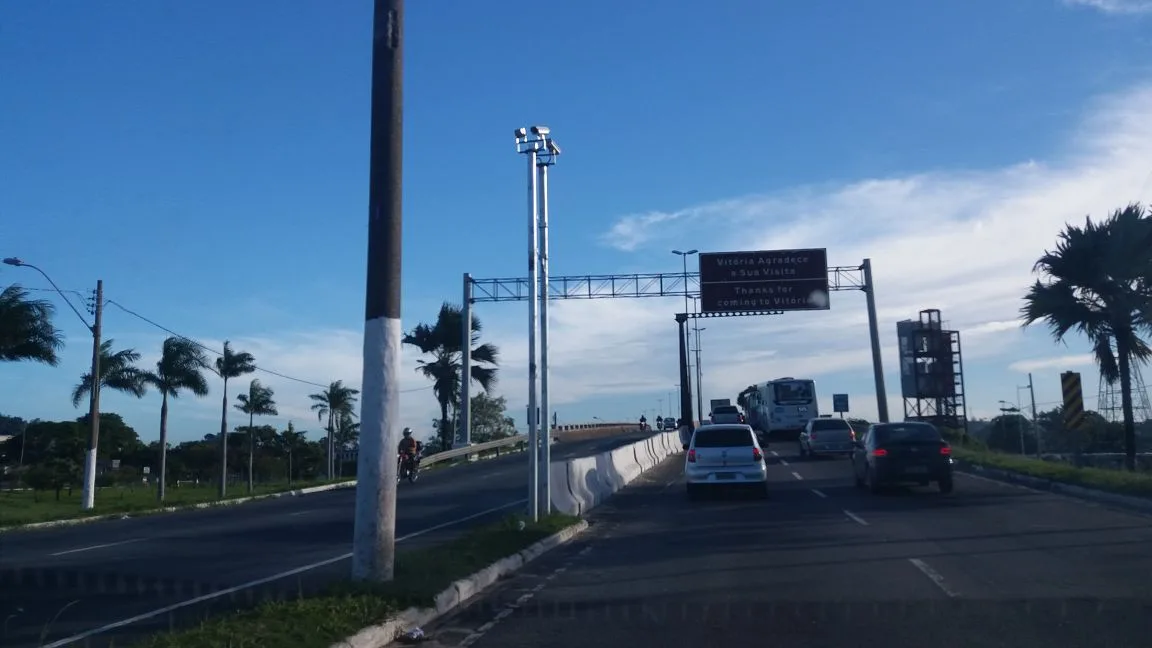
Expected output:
(12, 261)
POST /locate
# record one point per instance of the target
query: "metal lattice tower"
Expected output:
(1109, 403)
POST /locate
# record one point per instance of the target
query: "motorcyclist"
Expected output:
(643, 422)
(409, 446)
(659, 422)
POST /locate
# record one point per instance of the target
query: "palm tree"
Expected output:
(26, 330)
(232, 364)
(118, 371)
(444, 342)
(1098, 282)
(333, 402)
(180, 368)
(257, 402)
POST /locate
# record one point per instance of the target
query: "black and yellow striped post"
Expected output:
(1073, 400)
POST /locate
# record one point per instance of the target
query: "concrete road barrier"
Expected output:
(579, 485)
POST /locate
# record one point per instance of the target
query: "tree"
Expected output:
(443, 341)
(26, 329)
(1098, 281)
(232, 364)
(490, 420)
(291, 442)
(257, 402)
(180, 368)
(118, 371)
(333, 402)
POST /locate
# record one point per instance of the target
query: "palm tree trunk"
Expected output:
(251, 448)
(1123, 351)
(446, 432)
(224, 442)
(331, 464)
(161, 486)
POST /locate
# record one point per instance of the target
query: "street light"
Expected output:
(89, 492)
(1009, 408)
(684, 257)
(542, 152)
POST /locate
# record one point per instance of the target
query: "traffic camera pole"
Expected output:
(89, 492)
(374, 530)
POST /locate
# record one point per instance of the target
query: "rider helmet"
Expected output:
(407, 432)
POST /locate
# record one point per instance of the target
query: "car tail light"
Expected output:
(756, 456)
(692, 455)
(945, 450)
(879, 452)
(812, 435)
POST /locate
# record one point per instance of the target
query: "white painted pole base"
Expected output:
(374, 531)
(89, 480)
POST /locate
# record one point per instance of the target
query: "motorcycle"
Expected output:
(407, 467)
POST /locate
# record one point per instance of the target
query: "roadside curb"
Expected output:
(173, 509)
(206, 505)
(1141, 504)
(460, 592)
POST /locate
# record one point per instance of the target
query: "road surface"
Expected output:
(824, 564)
(67, 581)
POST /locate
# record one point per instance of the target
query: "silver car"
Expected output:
(827, 436)
(726, 414)
(726, 455)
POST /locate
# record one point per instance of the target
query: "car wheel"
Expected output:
(803, 452)
(945, 485)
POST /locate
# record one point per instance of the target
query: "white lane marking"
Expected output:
(796, 475)
(670, 484)
(783, 463)
(261, 581)
(300, 512)
(819, 493)
(99, 546)
(775, 454)
(856, 518)
(934, 576)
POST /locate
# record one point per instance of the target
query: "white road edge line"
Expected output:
(856, 518)
(796, 475)
(933, 575)
(268, 579)
(820, 493)
(99, 546)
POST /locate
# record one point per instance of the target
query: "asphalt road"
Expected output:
(63, 582)
(824, 564)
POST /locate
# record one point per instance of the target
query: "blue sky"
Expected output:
(208, 161)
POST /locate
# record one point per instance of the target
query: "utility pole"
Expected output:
(699, 374)
(94, 401)
(374, 531)
(1035, 428)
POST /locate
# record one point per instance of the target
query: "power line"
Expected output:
(208, 349)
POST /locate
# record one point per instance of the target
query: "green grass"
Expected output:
(318, 621)
(1114, 481)
(25, 507)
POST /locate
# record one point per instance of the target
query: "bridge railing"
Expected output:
(517, 442)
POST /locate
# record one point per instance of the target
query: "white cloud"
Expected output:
(1115, 6)
(961, 241)
(1026, 366)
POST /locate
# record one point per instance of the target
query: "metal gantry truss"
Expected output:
(626, 286)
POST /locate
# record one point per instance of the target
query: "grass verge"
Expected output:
(318, 621)
(26, 507)
(1113, 481)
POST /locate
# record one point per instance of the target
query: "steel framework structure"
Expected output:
(668, 284)
(624, 286)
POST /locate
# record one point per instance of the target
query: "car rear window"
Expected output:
(830, 424)
(899, 432)
(723, 438)
(725, 409)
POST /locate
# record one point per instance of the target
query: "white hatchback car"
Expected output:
(725, 455)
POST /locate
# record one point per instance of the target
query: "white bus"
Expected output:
(783, 405)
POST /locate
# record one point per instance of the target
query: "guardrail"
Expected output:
(508, 442)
